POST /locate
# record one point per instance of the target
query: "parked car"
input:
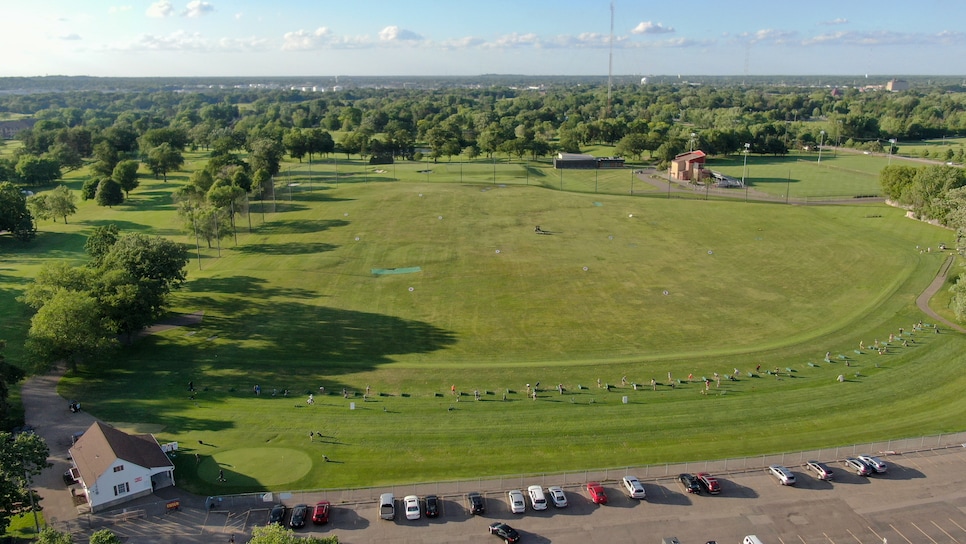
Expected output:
(387, 506)
(633, 487)
(858, 466)
(321, 514)
(277, 514)
(69, 477)
(709, 483)
(821, 470)
(877, 464)
(557, 496)
(504, 531)
(411, 505)
(538, 501)
(597, 494)
(517, 504)
(690, 483)
(474, 502)
(782, 474)
(432, 506)
(299, 513)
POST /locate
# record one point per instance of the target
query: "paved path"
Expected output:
(923, 301)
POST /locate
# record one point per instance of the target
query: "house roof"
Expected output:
(101, 445)
(574, 157)
(690, 156)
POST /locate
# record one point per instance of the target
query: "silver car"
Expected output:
(878, 465)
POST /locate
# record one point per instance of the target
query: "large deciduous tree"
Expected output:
(34, 171)
(276, 534)
(163, 159)
(21, 459)
(126, 175)
(9, 375)
(61, 202)
(108, 193)
(15, 218)
(266, 154)
(69, 326)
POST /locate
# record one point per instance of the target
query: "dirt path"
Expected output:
(923, 300)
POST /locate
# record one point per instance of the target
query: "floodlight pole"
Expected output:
(820, 147)
(892, 144)
(692, 141)
(669, 183)
(744, 167)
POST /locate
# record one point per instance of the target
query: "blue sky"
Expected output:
(456, 37)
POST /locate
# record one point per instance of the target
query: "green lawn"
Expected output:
(624, 286)
(800, 175)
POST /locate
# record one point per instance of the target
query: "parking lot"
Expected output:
(921, 499)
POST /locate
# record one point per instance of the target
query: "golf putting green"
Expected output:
(267, 466)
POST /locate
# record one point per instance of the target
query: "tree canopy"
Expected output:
(15, 218)
(21, 458)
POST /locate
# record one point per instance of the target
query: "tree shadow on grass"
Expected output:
(250, 335)
(291, 248)
(300, 226)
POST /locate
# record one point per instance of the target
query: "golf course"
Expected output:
(421, 311)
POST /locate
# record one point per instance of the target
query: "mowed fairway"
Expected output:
(622, 287)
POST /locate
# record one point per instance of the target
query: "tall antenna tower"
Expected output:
(610, 60)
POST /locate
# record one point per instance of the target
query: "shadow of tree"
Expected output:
(301, 226)
(290, 248)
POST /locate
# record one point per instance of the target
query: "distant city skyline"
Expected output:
(158, 38)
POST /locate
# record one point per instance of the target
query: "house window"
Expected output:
(121, 489)
(119, 468)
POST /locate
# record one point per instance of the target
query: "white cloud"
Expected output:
(462, 43)
(118, 9)
(394, 34)
(514, 40)
(72, 36)
(160, 9)
(838, 21)
(768, 35)
(239, 15)
(647, 27)
(197, 8)
(888, 38)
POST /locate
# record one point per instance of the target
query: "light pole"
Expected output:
(744, 167)
(821, 143)
(892, 144)
(692, 141)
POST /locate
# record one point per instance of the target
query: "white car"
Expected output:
(557, 496)
(784, 476)
(634, 488)
(537, 499)
(517, 503)
(877, 464)
(411, 504)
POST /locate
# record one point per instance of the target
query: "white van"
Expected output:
(387, 506)
(751, 539)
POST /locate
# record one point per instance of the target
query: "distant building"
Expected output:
(896, 85)
(584, 161)
(116, 467)
(688, 166)
(9, 129)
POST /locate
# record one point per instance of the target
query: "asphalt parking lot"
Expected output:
(921, 499)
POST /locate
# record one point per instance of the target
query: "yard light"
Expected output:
(821, 143)
(892, 144)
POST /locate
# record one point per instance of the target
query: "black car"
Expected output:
(277, 515)
(299, 513)
(504, 531)
(69, 478)
(474, 501)
(690, 483)
(432, 506)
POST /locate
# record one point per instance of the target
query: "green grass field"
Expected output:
(801, 175)
(624, 286)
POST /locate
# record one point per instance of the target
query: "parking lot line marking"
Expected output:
(923, 532)
(899, 533)
(957, 525)
(828, 538)
(802, 539)
(951, 537)
(877, 535)
(855, 537)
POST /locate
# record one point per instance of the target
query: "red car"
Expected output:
(321, 515)
(597, 493)
(709, 483)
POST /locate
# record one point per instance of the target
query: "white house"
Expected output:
(115, 467)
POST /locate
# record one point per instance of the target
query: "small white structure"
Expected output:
(116, 467)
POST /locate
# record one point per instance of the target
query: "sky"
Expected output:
(151, 38)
